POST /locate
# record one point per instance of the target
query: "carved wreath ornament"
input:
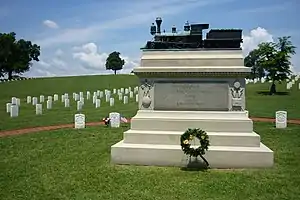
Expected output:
(146, 100)
(188, 136)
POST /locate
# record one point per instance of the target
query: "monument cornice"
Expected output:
(191, 74)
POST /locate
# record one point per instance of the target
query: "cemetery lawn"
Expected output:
(75, 164)
(259, 105)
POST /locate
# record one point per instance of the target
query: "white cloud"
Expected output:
(138, 13)
(50, 24)
(92, 59)
(254, 38)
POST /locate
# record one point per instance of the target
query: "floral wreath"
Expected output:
(188, 136)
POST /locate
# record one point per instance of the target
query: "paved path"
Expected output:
(55, 127)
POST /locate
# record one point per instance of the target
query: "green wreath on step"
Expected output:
(188, 136)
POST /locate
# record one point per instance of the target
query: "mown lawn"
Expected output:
(75, 164)
(259, 105)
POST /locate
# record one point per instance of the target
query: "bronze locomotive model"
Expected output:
(192, 37)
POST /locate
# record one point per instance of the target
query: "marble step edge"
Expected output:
(250, 139)
(261, 148)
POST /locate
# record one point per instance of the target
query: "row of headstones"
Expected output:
(263, 80)
(115, 120)
(13, 107)
(14, 79)
(290, 84)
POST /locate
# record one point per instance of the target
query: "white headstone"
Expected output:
(107, 97)
(94, 99)
(79, 120)
(8, 105)
(49, 104)
(125, 99)
(111, 102)
(67, 103)
(88, 95)
(120, 97)
(42, 98)
(28, 99)
(97, 103)
(100, 94)
(66, 96)
(80, 94)
(49, 98)
(131, 94)
(122, 90)
(63, 98)
(126, 91)
(14, 111)
(77, 97)
(38, 109)
(115, 119)
(79, 105)
(281, 119)
(14, 101)
(82, 100)
(114, 91)
(299, 86)
(34, 101)
(55, 97)
(136, 98)
(18, 102)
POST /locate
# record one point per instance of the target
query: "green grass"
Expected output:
(75, 164)
(258, 105)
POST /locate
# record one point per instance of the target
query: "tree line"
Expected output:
(270, 60)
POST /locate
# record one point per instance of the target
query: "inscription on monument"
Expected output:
(191, 96)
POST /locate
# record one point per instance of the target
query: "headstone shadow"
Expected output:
(277, 93)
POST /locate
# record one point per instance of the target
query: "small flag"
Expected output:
(123, 119)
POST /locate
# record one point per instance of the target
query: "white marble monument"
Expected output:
(183, 89)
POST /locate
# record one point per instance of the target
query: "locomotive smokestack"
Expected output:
(158, 24)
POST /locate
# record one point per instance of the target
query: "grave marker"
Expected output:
(14, 101)
(34, 101)
(28, 99)
(42, 98)
(114, 119)
(111, 102)
(14, 111)
(281, 119)
(97, 103)
(38, 109)
(79, 105)
(125, 99)
(67, 103)
(8, 105)
(49, 104)
(79, 121)
(55, 97)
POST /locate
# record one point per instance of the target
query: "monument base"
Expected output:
(154, 139)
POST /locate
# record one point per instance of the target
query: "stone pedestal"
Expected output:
(192, 89)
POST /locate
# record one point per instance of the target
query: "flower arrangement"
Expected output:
(188, 136)
(106, 121)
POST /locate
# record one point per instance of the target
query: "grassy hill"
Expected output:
(258, 104)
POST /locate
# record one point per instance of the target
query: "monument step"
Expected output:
(172, 155)
(173, 138)
(210, 125)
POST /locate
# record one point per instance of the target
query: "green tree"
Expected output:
(272, 60)
(16, 56)
(252, 60)
(114, 62)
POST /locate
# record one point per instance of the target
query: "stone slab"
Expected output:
(172, 155)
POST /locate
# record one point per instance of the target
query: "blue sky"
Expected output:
(76, 36)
